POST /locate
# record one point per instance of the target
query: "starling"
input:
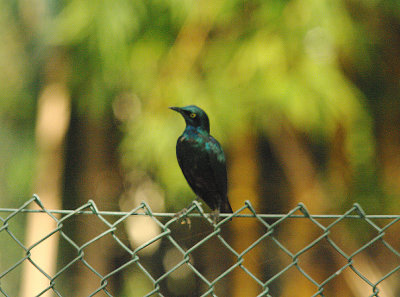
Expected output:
(202, 159)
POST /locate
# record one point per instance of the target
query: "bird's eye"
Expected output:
(193, 115)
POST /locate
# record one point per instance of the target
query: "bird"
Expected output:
(202, 160)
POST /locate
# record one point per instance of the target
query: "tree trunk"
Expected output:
(97, 178)
(243, 177)
(305, 187)
(53, 116)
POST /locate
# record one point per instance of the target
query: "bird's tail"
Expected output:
(226, 207)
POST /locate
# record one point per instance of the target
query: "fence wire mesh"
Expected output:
(186, 251)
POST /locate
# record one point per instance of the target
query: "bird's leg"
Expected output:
(182, 214)
(184, 210)
(214, 215)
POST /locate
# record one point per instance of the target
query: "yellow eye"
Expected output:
(193, 115)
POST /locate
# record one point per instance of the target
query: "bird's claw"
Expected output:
(214, 215)
(182, 215)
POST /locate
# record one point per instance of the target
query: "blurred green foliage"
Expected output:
(250, 64)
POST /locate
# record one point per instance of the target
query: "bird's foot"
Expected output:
(214, 215)
(181, 215)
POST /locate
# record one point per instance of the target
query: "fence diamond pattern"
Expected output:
(269, 222)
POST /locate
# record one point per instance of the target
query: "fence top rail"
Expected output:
(193, 215)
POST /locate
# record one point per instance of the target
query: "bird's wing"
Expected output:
(218, 165)
(192, 160)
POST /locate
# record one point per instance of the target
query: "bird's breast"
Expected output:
(192, 138)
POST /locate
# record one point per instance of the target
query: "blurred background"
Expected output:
(304, 96)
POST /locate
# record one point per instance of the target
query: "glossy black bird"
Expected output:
(202, 159)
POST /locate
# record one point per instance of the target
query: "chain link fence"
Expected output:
(372, 237)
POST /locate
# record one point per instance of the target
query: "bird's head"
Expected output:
(194, 116)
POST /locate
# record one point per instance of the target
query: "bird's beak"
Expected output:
(178, 109)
